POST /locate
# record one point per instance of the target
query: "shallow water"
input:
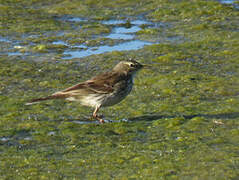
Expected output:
(230, 2)
(126, 46)
(118, 32)
(3, 39)
(227, 1)
(120, 36)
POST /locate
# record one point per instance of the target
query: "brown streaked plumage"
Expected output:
(103, 90)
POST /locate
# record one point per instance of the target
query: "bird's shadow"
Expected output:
(153, 117)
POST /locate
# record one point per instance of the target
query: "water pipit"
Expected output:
(106, 89)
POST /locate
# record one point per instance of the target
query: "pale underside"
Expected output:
(100, 99)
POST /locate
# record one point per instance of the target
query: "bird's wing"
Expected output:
(102, 84)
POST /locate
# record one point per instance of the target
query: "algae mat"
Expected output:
(180, 122)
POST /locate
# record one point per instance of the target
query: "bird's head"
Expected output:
(129, 67)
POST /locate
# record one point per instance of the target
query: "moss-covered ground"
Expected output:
(180, 122)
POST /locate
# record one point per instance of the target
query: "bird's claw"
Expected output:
(99, 118)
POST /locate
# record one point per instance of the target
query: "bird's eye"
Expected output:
(131, 65)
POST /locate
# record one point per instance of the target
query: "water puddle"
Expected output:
(141, 22)
(122, 34)
(226, 1)
(3, 39)
(16, 54)
(230, 2)
(122, 30)
(126, 46)
(60, 42)
(76, 19)
(113, 22)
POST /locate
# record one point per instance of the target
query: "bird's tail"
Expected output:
(35, 101)
(54, 96)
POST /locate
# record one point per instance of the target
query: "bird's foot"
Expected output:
(99, 118)
(101, 121)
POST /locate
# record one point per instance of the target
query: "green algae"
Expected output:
(185, 126)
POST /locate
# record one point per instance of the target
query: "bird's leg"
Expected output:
(96, 116)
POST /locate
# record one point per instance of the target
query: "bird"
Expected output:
(105, 89)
